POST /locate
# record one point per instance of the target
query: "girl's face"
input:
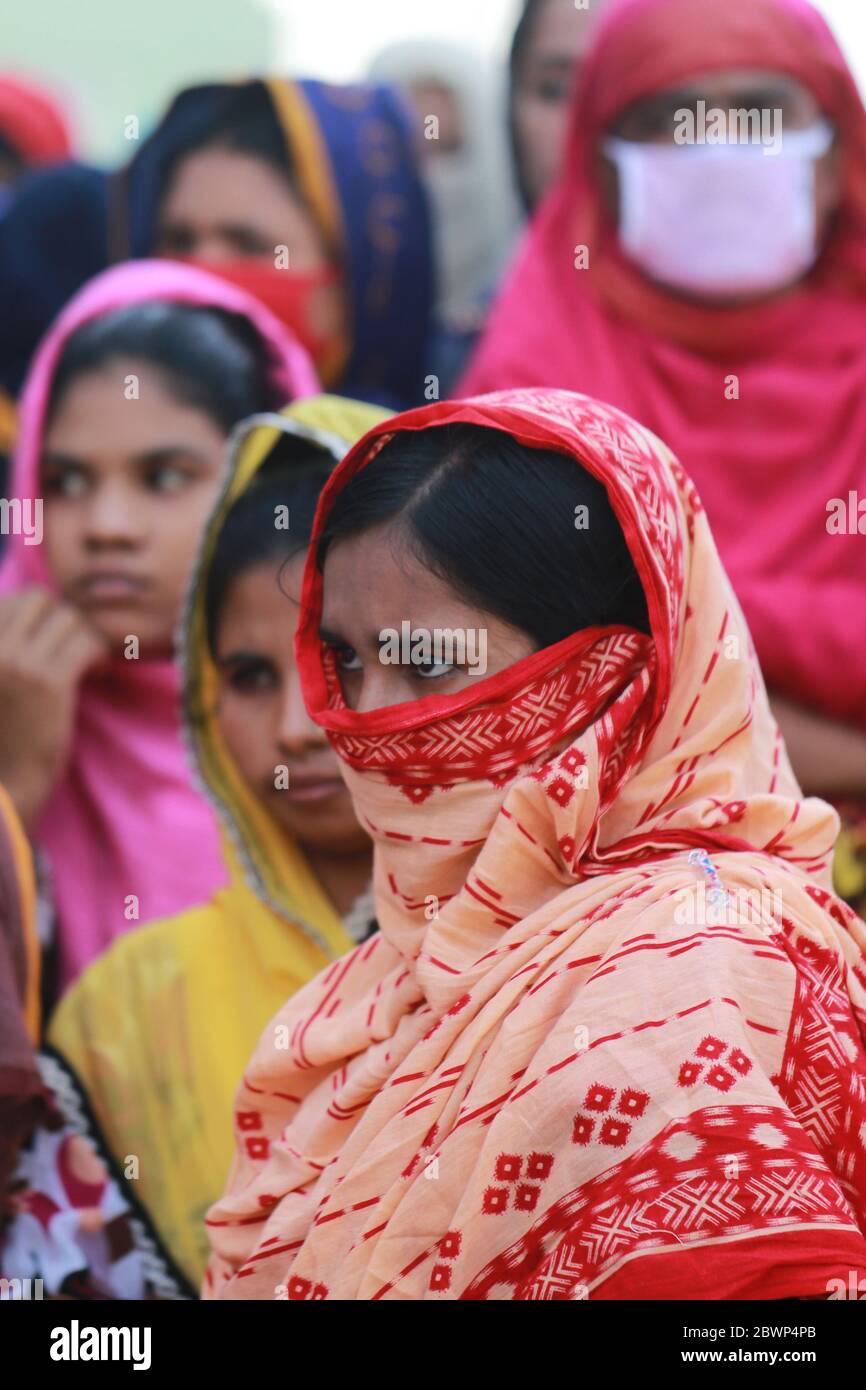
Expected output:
(222, 205)
(262, 714)
(543, 85)
(375, 590)
(127, 486)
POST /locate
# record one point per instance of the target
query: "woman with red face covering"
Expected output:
(715, 287)
(609, 1040)
(305, 194)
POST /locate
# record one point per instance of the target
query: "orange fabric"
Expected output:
(22, 1100)
(21, 863)
(554, 1074)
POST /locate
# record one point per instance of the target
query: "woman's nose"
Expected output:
(297, 731)
(379, 689)
(113, 517)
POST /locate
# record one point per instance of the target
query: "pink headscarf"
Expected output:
(126, 819)
(768, 460)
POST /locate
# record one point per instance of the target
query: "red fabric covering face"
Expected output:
(33, 123)
(552, 1086)
(768, 461)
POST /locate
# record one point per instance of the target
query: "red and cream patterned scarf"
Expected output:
(614, 1016)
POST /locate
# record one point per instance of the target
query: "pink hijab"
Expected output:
(126, 819)
(765, 405)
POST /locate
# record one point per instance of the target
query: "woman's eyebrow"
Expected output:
(239, 658)
(546, 64)
(54, 459)
(167, 453)
(239, 231)
(764, 96)
(373, 640)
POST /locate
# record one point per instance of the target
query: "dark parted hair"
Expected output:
(524, 33)
(244, 121)
(210, 358)
(293, 476)
(496, 520)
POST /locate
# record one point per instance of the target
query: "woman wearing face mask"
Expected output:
(717, 291)
(121, 455)
(308, 196)
(138, 1035)
(607, 934)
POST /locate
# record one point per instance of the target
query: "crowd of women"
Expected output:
(326, 976)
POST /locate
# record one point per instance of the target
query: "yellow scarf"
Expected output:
(158, 1030)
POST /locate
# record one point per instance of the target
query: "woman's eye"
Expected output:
(174, 241)
(66, 482)
(167, 478)
(250, 243)
(347, 658)
(551, 90)
(254, 677)
(432, 670)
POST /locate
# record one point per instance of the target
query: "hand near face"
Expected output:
(46, 647)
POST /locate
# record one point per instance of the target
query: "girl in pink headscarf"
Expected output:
(121, 453)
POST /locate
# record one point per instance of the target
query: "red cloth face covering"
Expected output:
(572, 1056)
(289, 294)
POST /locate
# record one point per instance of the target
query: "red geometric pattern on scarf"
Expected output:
(517, 1182)
(493, 740)
(822, 1079)
(714, 1064)
(606, 1115)
(301, 1290)
(722, 1171)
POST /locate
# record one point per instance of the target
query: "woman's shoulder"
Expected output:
(153, 952)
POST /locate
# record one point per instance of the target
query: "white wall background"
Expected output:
(337, 38)
(111, 58)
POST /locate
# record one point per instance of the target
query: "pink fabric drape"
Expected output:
(765, 405)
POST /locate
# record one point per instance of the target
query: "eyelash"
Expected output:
(57, 484)
(154, 473)
(436, 672)
(252, 678)
(339, 650)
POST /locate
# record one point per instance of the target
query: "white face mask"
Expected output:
(722, 219)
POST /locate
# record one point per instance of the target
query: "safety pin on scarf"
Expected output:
(716, 894)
